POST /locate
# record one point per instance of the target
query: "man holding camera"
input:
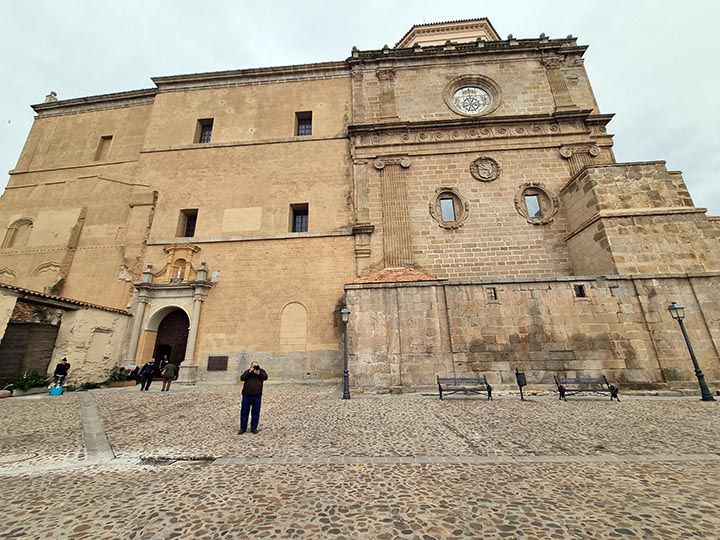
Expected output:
(253, 379)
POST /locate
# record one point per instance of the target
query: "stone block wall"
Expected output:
(402, 335)
(636, 218)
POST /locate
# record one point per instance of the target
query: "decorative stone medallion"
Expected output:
(485, 169)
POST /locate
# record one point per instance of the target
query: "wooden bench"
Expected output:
(467, 385)
(570, 386)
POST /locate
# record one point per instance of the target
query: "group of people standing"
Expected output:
(252, 378)
(168, 371)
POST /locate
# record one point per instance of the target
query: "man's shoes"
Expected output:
(241, 432)
(254, 431)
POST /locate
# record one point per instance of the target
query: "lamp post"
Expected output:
(678, 313)
(345, 314)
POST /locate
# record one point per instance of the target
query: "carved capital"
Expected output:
(357, 75)
(552, 62)
(382, 163)
(385, 74)
(568, 151)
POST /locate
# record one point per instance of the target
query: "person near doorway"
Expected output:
(253, 379)
(61, 371)
(164, 362)
(146, 375)
(168, 374)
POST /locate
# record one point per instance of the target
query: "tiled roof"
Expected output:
(39, 296)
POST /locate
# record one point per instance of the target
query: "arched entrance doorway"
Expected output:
(172, 335)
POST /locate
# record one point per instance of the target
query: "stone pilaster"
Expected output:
(362, 232)
(397, 243)
(386, 85)
(558, 85)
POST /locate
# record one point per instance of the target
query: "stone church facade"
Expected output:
(458, 192)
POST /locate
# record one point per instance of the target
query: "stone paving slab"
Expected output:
(382, 501)
(313, 421)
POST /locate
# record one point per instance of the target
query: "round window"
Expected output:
(471, 100)
(472, 95)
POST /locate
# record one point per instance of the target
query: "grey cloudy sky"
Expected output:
(653, 63)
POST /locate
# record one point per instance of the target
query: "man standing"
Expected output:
(146, 375)
(168, 373)
(61, 371)
(253, 379)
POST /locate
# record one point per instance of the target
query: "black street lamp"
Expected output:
(345, 314)
(678, 313)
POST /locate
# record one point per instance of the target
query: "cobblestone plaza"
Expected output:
(123, 464)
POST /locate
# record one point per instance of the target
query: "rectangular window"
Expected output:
(103, 149)
(492, 294)
(447, 209)
(299, 217)
(303, 123)
(532, 203)
(203, 131)
(217, 363)
(579, 291)
(187, 222)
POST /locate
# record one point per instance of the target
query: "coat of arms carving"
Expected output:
(485, 169)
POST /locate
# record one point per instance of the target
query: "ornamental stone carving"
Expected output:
(536, 203)
(459, 208)
(485, 169)
(380, 164)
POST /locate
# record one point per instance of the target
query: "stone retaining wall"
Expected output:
(403, 334)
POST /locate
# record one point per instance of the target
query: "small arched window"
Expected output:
(18, 233)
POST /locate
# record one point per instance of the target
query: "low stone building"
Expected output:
(233, 213)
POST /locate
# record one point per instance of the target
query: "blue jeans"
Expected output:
(250, 403)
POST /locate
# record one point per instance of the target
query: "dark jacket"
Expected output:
(62, 369)
(148, 370)
(253, 382)
(169, 371)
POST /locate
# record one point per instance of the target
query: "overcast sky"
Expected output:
(653, 63)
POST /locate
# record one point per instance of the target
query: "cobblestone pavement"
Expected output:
(39, 431)
(297, 421)
(374, 467)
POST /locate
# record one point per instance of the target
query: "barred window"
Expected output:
(303, 123)
(299, 217)
(203, 132)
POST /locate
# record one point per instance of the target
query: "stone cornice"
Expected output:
(68, 167)
(459, 129)
(241, 77)
(442, 282)
(100, 102)
(404, 125)
(228, 144)
(251, 237)
(543, 46)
